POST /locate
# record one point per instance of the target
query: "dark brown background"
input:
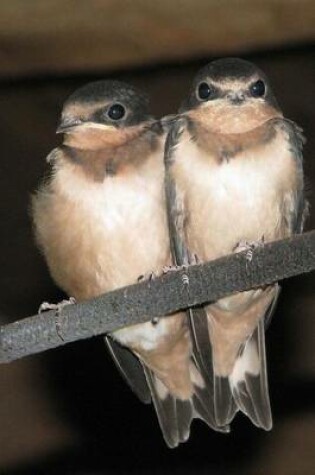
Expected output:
(68, 411)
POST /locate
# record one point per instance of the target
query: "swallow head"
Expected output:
(231, 87)
(107, 105)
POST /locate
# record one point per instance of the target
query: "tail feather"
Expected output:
(224, 405)
(249, 380)
(204, 411)
(202, 353)
(221, 411)
(174, 415)
(245, 389)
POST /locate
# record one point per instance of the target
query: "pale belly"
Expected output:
(249, 198)
(99, 237)
(132, 239)
(230, 215)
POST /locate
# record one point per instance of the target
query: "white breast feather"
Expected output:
(133, 206)
(114, 201)
(240, 199)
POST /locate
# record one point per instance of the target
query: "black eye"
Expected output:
(116, 112)
(206, 91)
(258, 89)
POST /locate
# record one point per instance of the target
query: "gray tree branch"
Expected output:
(159, 297)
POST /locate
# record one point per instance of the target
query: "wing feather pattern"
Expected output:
(130, 368)
(202, 352)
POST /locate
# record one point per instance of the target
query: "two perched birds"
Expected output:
(129, 195)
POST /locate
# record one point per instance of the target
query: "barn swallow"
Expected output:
(234, 178)
(101, 222)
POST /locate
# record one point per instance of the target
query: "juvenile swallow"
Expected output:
(101, 222)
(234, 178)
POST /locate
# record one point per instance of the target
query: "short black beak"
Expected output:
(67, 124)
(236, 98)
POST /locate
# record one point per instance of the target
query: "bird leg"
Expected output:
(45, 306)
(249, 247)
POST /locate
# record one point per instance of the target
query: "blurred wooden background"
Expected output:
(68, 411)
(63, 36)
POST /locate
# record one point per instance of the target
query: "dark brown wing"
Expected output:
(130, 368)
(296, 140)
(202, 351)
